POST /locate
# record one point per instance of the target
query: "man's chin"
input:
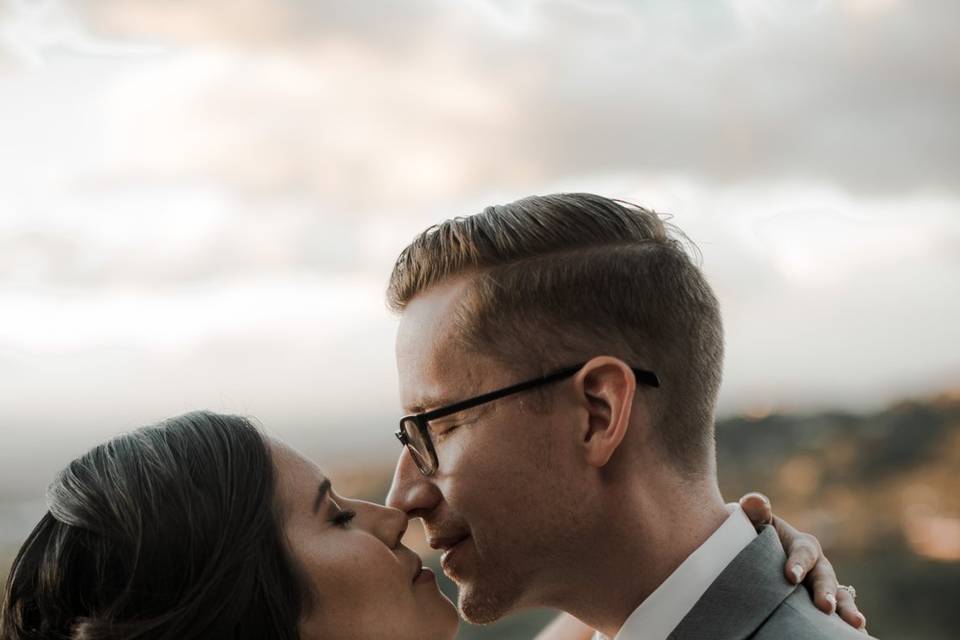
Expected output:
(485, 603)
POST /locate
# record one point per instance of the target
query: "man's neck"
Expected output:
(651, 536)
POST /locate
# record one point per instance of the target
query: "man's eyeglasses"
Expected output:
(414, 432)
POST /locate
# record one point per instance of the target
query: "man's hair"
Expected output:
(561, 278)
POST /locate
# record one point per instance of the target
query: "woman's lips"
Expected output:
(425, 575)
(419, 569)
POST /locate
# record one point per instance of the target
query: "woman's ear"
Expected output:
(606, 387)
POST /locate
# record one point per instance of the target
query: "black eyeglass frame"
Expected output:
(429, 465)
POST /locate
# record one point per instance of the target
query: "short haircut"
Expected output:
(565, 277)
(169, 531)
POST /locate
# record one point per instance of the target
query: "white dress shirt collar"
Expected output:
(663, 609)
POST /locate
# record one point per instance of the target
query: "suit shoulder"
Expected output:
(797, 618)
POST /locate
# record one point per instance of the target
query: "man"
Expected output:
(560, 357)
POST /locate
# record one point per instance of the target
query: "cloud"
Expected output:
(494, 95)
(862, 102)
(328, 122)
(282, 135)
(810, 149)
(171, 237)
(30, 32)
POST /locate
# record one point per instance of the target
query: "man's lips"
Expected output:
(451, 551)
(447, 542)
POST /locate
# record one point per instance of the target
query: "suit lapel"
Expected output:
(743, 596)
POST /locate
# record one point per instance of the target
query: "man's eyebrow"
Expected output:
(431, 402)
(322, 492)
(427, 404)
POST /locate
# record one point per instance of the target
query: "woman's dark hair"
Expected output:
(168, 532)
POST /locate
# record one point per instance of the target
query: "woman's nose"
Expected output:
(388, 524)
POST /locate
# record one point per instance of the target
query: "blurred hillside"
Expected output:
(880, 491)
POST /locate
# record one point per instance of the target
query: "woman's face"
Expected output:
(364, 583)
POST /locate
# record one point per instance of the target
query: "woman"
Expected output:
(201, 527)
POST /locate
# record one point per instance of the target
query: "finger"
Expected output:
(757, 507)
(803, 551)
(822, 581)
(847, 609)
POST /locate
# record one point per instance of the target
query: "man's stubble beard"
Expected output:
(507, 577)
(549, 566)
(493, 593)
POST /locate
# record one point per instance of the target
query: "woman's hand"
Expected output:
(806, 562)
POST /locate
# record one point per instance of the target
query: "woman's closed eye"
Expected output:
(342, 518)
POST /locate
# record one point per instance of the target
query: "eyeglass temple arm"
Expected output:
(648, 378)
(499, 393)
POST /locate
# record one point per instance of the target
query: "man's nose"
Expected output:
(411, 491)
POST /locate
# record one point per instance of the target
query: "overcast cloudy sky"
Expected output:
(200, 202)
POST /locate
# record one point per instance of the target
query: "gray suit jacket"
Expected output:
(753, 599)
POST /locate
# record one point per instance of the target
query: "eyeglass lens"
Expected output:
(419, 447)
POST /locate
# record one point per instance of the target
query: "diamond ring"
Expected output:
(849, 589)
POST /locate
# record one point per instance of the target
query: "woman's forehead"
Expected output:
(298, 477)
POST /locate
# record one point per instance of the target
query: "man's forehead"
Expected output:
(428, 325)
(431, 308)
(439, 376)
(433, 366)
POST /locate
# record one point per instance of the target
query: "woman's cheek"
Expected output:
(357, 569)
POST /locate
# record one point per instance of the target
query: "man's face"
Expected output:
(504, 503)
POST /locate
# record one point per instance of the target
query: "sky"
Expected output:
(200, 202)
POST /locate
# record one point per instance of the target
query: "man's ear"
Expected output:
(606, 387)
